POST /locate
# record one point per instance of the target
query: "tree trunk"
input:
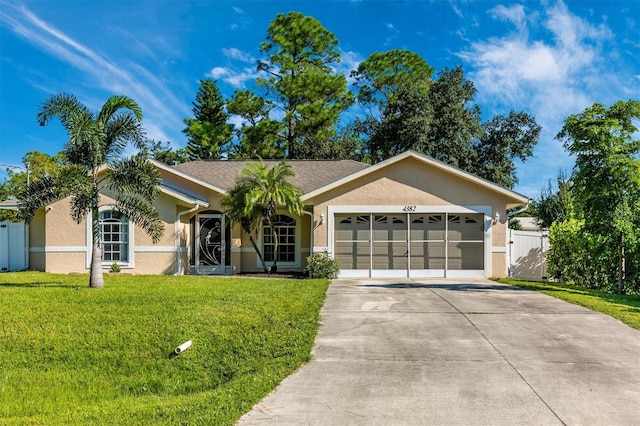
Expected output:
(274, 235)
(622, 277)
(96, 280)
(258, 252)
(246, 225)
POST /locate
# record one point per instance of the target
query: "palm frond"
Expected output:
(121, 129)
(36, 195)
(135, 175)
(81, 203)
(63, 106)
(118, 102)
(86, 142)
(51, 188)
(142, 214)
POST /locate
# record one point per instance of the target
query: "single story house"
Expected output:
(408, 216)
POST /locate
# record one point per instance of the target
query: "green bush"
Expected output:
(320, 265)
(590, 260)
(114, 267)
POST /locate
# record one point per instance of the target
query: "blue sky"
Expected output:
(548, 58)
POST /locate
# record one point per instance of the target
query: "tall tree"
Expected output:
(208, 133)
(259, 135)
(456, 121)
(607, 177)
(404, 108)
(555, 202)
(162, 152)
(36, 165)
(505, 139)
(300, 83)
(392, 89)
(253, 201)
(345, 144)
(405, 123)
(383, 75)
(97, 141)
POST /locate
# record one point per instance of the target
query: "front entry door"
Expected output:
(210, 238)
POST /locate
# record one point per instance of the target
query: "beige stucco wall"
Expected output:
(499, 265)
(413, 183)
(59, 244)
(66, 262)
(37, 261)
(154, 263)
(37, 230)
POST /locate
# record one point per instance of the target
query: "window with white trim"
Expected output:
(286, 231)
(114, 236)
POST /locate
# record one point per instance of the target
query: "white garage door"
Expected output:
(409, 244)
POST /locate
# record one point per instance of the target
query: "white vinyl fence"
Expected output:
(527, 254)
(14, 250)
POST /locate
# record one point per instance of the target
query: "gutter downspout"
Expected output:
(510, 215)
(178, 223)
(508, 238)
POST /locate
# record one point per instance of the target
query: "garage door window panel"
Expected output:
(389, 242)
(427, 244)
(465, 247)
(353, 246)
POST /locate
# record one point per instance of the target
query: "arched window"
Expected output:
(286, 231)
(114, 237)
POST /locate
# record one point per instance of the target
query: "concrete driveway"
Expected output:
(432, 352)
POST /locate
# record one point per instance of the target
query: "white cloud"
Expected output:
(237, 54)
(350, 61)
(238, 79)
(514, 14)
(553, 74)
(238, 11)
(235, 78)
(557, 72)
(456, 9)
(219, 72)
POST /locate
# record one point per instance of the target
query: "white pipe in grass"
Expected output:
(183, 347)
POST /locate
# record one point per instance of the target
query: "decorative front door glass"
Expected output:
(210, 238)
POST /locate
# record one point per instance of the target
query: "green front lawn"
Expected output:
(625, 308)
(74, 355)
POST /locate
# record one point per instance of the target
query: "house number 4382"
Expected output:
(409, 208)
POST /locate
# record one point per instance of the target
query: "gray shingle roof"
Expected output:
(310, 174)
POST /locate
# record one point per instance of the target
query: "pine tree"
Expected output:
(208, 132)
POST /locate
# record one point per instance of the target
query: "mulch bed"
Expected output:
(294, 275)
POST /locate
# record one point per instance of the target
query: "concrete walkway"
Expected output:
(435, 352)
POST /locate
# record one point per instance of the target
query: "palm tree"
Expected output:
(253, 201)
(93, 162)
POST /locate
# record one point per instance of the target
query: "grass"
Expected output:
(625, 308)
(74, 355)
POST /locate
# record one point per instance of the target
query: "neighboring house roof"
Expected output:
(9, 204)
(528, 223)
(310, 174)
